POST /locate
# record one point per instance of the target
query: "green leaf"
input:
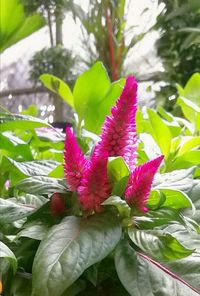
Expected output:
(70, 248)
(141, 275)
(173, 198)
(90, 88)
(15, 25)
(50, 135)
(190, 110)
(159, 245)
(34, 230)
(117, 169)
(58, 172)
(5, 252)
(189, 267)
(42, 185)
(59, 87)
(161, 132)
(32, 168)
(19, 121)
(192, 89)
(181, 180)
(159, 217)
(13, 209)
(187, 144)
(120, 204)
(15, 146)
(188, 159)
(97, 113)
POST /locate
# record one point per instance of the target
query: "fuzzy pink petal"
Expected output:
(94, 188)
(140, 182)
(119, 129)
(74, 161)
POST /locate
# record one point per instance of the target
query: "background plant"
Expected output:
(31, 159)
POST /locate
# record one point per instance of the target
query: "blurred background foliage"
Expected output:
(107, 35)
(178, 45)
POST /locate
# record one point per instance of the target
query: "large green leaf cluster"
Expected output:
(116, 252)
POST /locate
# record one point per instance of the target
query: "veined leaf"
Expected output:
(181, 180)
(159, 245)
(159, 217)
(70, 248)
(42, 185)
(32, 168)
(141, 275)
(13, 209)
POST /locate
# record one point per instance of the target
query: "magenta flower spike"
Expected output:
(95, 188)
(119, 129)
(140, 182)
(74, 161)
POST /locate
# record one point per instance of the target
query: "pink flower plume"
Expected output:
(119, 130)
(140, 182)
(74, 161)
(95, 188)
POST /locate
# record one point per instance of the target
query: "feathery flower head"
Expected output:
(74, 161)
(140, 182)
(94, 188)
(119, 129)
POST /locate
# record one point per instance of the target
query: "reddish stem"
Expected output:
(111, 45)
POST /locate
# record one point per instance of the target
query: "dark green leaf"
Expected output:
(70, 248)
(141, 275)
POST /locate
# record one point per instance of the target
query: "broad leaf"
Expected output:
(32, 168)
(161, 132)
(42, 185)
(97, 112)
(34, 230)
(159, 245)
(181, 180)
(90, 88)
(190, 158)
(159, 217)
(59, 87)
(187, 144)
(141, 275)
(70, 248)
(13, 209)
(173, 198)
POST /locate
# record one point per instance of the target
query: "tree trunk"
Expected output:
(58, 103)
